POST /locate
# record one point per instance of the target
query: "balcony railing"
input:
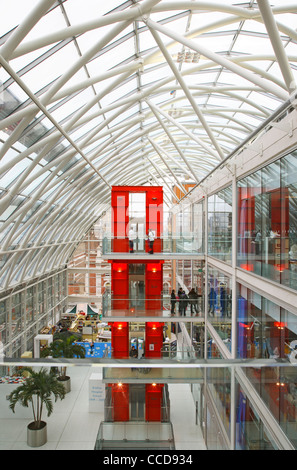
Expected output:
(133, 435)
(188, 244)
(117, 306)
(156, 374)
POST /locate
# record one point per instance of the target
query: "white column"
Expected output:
(96, 392)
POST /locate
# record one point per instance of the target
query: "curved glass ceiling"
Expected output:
(130, 92)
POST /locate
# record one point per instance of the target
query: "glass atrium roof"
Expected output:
(134, 92)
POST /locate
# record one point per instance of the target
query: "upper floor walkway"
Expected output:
(166, 247)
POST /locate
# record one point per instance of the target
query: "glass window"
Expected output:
(266, 330)
(198, 226)
(220, 225)
(220, 304)
(267, 222)
(251, 433)
(30, 313)
(3, 321)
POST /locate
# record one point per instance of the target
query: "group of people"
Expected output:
(150, 238)
(183, 300)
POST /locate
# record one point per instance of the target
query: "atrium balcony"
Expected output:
(135, 435)
(165, 247)
(115, 308)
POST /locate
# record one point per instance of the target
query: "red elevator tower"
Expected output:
(137, 284)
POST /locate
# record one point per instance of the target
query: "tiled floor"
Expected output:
(73, 426)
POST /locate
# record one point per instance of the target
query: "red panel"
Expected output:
(153, 402)
(120, 220)
(120, 214)
(153, 339)
(120, 340)
(154, 214)
(120, 285)
(246, 218)
(120, 400)
(135, 189)
(153, 285)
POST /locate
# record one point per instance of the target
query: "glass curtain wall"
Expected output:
(220, 225)
(265, 330)
(84, 277)
(251, 433)
(25, 313)
(137, 219)
(198, 225)
(220, 304)
(267, 221)
(188, 228)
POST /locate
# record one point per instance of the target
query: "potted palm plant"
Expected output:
(64, 346)
(37, 390)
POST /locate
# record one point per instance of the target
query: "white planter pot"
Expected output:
(36, 437)
(66, 383)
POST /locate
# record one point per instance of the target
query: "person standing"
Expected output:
(184, 303)
(151, 239)
(132, 238)
(133, 352)
(173, 302)
(179, 298)
(193, 296)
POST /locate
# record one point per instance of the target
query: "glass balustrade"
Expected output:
(158, 374)
(169, 351)
(188, 244)
(132, 435)
(116, 306)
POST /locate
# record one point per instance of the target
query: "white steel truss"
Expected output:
(140, 92)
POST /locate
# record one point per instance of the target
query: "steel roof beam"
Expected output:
(181, 81)
(183, 129)
(218, 59)
(166, 164)
(277, 44)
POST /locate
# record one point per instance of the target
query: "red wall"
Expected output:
(120, 400)
(153, 284)
(120, 220)
(120, 285)
(120, 340)
(153, 339)
(153, 402)
(120, 214)
(154, 215)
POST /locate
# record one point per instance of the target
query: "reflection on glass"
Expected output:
(267, 222)
(220, 304)
(137, 219)
(266, 330)
(220, 224)
(251, 433)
